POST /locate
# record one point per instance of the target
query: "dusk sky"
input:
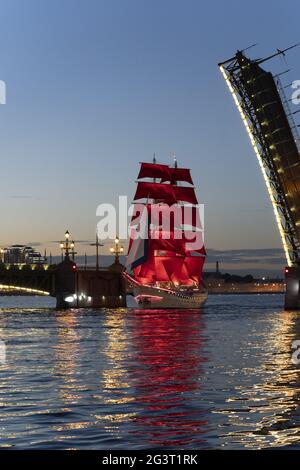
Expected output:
(94, 87)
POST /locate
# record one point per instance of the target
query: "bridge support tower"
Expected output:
(292, 292)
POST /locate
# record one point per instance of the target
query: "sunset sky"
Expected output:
(94, 87)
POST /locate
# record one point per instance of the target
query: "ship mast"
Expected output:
(164, 258)
(175, 161)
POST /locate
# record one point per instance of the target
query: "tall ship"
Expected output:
(166, 252)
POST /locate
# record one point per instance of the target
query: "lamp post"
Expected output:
(97, 244)
(73, 252)
(117, 249)
(67, 247)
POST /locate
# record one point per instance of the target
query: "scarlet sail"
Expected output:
(166, 248)
(163, 192)
(179, 174)
(153, 170)
(185, 194)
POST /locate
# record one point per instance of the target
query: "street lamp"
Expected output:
(117, 249)
(72, 246)
(97, 244)
(67, 246)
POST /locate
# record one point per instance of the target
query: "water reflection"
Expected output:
(66, 356)
(266, 414)
(131, 379)
(166, 372)
(114, 376)
(114, 385)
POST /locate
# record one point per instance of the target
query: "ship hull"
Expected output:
(148, 297)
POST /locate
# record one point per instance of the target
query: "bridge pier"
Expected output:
(292, 293)
(64, 285)
(72, 286)
(61, 304)
(81, 288)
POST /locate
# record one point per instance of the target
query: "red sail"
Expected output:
(151, 271)
(154, 170)
(201, 251)
(163, 215)
(179, 174)
(174, 268)
(171, 252)
(185, 194)
(174, 216)
(194, 265)
(176, 246)
(180, 241)
(179, 270)
(164, 192)
(194, 242)
(143, 280)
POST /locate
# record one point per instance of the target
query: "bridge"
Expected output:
(38, 280)
(71, 285)
(269, 122)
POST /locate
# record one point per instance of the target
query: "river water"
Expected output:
(129, 379)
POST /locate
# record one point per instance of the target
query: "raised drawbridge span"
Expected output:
(269, 122)
(266, 114)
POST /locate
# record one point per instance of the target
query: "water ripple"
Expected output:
(220, 378)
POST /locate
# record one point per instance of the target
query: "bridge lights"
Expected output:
(259, 156)
(67, 246)
(117, 249)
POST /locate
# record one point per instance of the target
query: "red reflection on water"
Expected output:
(167, 376)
